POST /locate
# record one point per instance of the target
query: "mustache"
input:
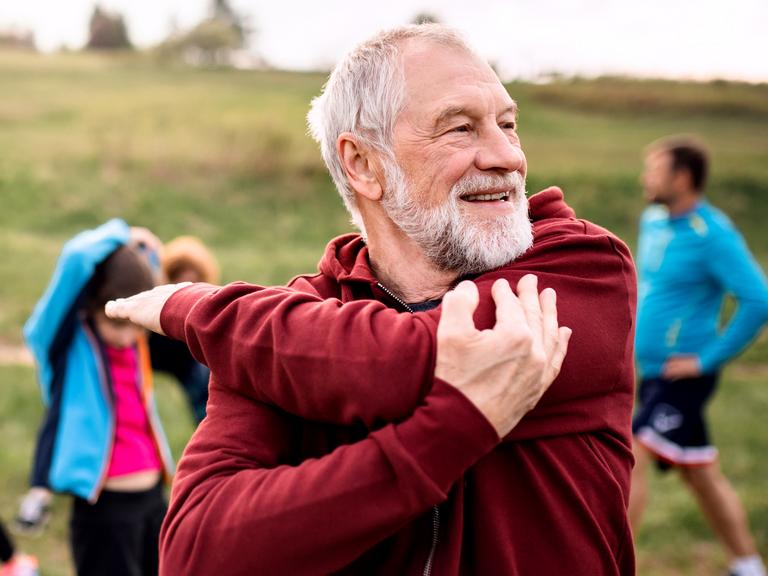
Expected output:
(476, 183)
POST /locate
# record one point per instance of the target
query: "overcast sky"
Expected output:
(524, 38)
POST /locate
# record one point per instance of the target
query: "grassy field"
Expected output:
(225, 155)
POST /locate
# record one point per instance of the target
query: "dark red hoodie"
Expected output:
(330, 447)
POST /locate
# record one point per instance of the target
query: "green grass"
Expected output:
(674, 540)
(224, 155)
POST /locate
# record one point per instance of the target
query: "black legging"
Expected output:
(6, 546)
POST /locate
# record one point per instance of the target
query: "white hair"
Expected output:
(364, 95)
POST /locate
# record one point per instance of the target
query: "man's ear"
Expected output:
(360, 165)
(682, 180)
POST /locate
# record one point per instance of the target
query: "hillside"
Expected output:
(224, 155)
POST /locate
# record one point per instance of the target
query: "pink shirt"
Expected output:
(134, 448)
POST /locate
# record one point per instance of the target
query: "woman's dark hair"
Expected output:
(124, 273)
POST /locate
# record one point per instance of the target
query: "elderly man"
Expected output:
(339, 437)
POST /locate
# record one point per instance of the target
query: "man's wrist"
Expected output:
(178, 307)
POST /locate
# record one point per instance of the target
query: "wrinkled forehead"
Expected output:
(439, 76)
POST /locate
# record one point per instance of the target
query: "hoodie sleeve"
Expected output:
(238, 507)
(361, 362)
(302, 353)
(74, 269)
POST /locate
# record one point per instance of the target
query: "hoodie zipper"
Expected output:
(435, 509)
(394, 297)
(435, 531)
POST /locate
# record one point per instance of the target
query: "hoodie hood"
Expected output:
(549, 203)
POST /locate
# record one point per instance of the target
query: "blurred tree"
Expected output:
(107, 31)
(210, 43)
(425, 18)
(222, 11)
(17, 39)
(214, 41)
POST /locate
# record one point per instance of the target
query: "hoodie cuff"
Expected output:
(177, 308)
(446, 436)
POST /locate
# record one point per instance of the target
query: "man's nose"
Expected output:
(497, 152)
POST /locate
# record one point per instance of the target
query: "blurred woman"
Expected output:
(101, 439)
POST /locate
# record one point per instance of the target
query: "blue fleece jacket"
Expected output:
(75, 442)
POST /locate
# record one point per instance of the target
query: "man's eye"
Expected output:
(508, 125)
(462, 128)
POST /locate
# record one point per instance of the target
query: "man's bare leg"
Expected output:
(722, 507)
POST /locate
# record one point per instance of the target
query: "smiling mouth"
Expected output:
(498, 196)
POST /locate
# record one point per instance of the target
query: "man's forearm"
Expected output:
(742, 328)
(313, 357)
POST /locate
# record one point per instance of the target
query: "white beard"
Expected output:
(453, 240)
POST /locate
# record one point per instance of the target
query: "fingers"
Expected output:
(458, 308)
(509, 312)
(118, 309)
(549, 325)
(539, 313)
(528, 294)
(561, 349)
(672, 371)
(143, 236)
(144, 308)
(131, 309)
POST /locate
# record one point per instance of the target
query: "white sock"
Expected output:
(748, 566)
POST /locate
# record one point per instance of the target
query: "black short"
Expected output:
(670, 420)
(119, 535)
(6, 545)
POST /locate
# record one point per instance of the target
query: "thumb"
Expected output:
(457, 309)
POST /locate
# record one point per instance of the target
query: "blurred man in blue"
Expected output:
(690, 256)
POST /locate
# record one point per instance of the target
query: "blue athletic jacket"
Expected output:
(687, 264)
(75, 441)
